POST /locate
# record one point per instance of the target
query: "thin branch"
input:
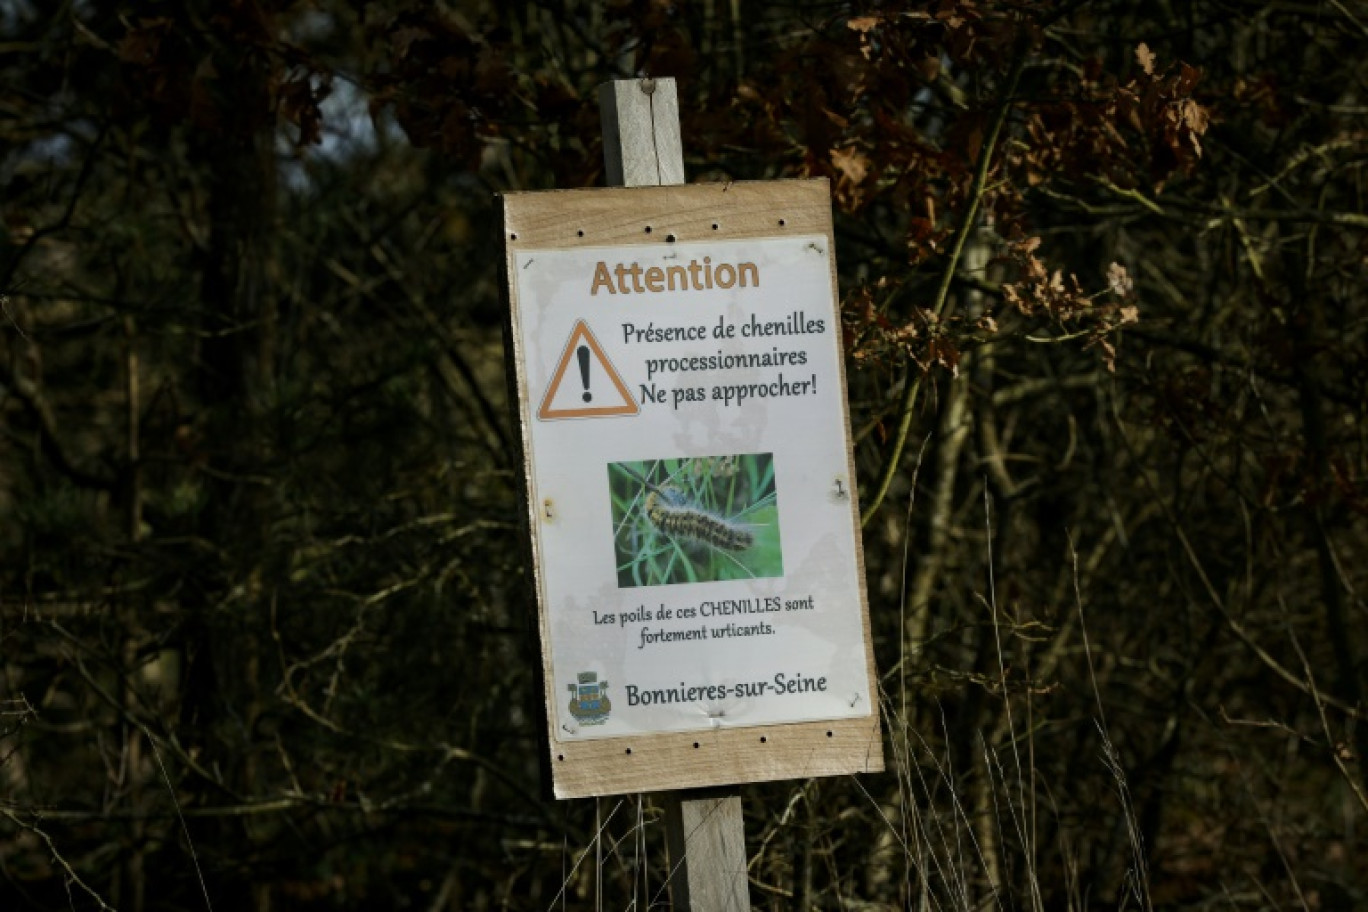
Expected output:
(72, 876)
(283, 805)
(87, 168)
(31, 395)
(1325, 723)
(175, 802)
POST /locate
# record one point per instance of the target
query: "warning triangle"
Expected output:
(585, 384)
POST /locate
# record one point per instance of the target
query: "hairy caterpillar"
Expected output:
(691, 524)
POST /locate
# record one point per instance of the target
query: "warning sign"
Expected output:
(584, 383)
(698, 568)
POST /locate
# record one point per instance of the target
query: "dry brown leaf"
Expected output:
(1196, 117)
(851, 162)
(1145, 57)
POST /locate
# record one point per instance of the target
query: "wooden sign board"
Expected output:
(695, 530)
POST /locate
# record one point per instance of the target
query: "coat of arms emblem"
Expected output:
(589, 702)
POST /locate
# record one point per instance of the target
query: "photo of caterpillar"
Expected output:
(695, 519)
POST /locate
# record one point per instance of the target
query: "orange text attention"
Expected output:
(633, 279)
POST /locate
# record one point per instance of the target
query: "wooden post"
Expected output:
(704, 831)
(706, 839)
(641, 145)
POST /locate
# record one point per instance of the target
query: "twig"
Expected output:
(181, 817)
(82, 177)
(598, 835)
(902, 600)
(1026, 843)
(72, 876)
(1325, 723)
(4, 306)
(1109, 754)
(501, 447)
(31, 395)
(291, 802)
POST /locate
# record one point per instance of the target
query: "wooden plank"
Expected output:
(649, 215)
(612, 766)
(641, 144)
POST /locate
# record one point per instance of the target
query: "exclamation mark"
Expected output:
(583, 354)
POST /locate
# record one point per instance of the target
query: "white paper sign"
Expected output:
(689, 472)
